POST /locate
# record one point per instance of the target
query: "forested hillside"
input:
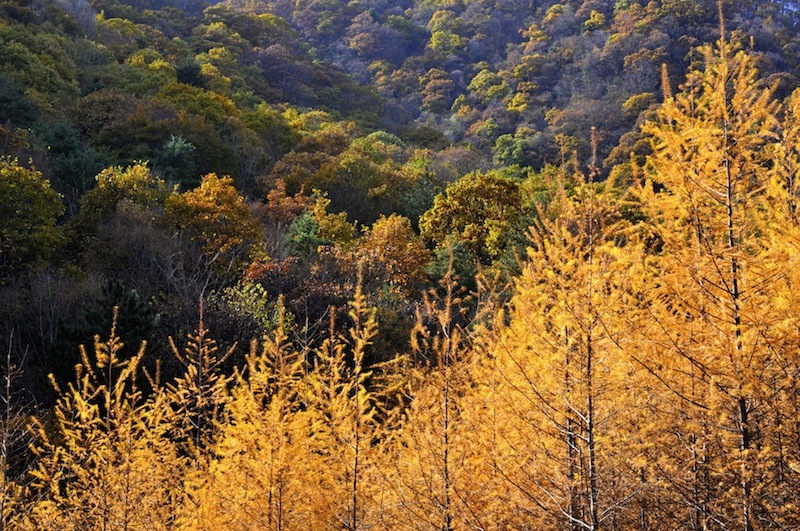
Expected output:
(430, 264)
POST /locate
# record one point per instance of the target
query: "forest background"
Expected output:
(438, 264)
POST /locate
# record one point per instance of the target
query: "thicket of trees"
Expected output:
(641, 372)
(244, 151)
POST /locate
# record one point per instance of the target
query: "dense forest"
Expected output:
(430, 264)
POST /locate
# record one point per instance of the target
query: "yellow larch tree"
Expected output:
(434, 466)
(199, 396)
(256, 478)
(346, 413)
(196, 411)
(723, 341)
(564, 379)
(104, 462)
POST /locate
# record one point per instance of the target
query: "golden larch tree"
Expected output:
(105, 461)
(720, 202)
(564, 377)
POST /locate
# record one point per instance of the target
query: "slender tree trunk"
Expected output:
(696, 513)
(735, 295)
(643, 508)
(5, 449)
(446, 451)
(744, 446)
(571, 440)
(279, 516)
(594, 524)
(357, 429)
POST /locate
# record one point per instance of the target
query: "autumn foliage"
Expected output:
(626, 359)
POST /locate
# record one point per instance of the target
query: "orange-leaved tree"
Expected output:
(217, 218)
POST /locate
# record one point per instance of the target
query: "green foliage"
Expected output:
(75, 162)
(419, 190)
(455, 261)
(333, 227)
(15, 106)
(303, 235)
(524, 148)
(365, 180)
(135, 322)
(481, 211)
(272, 127)
(188, 72)
(316, 227)
(445, 27)
(246, 306)
(176, 162)
(121, 36)
(40, 62)
(488, 85)
(212, 106)
(134, 184)
(29, 209)
(259, 29)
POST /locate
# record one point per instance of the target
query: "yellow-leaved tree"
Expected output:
(196, 411)
(104, 461)
(217, 218)
(720, 202)
(435, 464)
(258, 477)
(344, 421)
(563, 378)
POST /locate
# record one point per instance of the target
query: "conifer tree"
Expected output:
(563, 371)
(347, 410)
(720, 204)
(435, 463)
(256, 480)
(106, 463)
(201, 392)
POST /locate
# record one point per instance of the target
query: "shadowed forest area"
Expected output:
(431, 264)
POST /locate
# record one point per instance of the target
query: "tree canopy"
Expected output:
(427, 264)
